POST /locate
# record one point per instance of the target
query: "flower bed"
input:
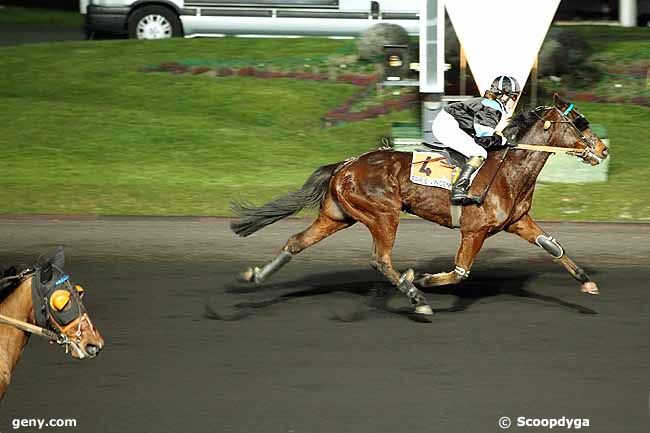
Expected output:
(353, 109)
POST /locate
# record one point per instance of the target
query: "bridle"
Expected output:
(582, 125)
(578, 125)
(81, 317)
(54, 332)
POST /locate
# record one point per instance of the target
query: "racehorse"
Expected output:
(42, 300)
(375, 187)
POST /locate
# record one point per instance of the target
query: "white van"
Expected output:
(157, 19)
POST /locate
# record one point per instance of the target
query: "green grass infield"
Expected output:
(86, 132)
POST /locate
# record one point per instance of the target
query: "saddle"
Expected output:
(452, 157)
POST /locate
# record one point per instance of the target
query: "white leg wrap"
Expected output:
(462, 273)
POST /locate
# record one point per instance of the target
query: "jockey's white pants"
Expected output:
(446, 129)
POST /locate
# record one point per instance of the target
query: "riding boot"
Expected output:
(460, 189)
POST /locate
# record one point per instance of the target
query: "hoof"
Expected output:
(424, 309)
(590, 287)
(247, 275)
(420, 318)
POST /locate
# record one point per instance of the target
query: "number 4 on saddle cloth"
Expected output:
(437, 167)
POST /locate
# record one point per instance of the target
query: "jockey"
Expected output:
(469, 127)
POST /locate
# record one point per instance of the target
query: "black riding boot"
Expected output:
(460, 189)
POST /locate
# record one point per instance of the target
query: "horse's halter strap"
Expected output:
(588, 151)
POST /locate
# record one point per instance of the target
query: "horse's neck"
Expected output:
(526, 165)
(17, 305)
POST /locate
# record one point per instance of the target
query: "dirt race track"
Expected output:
(322, 347)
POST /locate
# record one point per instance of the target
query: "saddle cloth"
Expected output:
(433, 169)
(437, 167)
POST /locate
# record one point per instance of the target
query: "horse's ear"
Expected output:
(560, 102)
(58, 259)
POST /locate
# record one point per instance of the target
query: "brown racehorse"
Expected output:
(59, 310)
(375, 187)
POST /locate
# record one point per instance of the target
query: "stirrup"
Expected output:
(459, 197)
(466, 200)
(459, 200)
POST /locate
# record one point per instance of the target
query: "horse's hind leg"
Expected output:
(527, 229)
(319, 230)
(470, 245)
(383, 232)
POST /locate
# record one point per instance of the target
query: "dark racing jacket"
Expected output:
(479, 117)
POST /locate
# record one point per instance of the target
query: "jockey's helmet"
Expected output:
(505, 85)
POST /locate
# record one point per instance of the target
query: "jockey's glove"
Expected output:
(495, 141)
(504, 141)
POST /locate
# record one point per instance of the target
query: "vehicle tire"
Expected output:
(154, 22)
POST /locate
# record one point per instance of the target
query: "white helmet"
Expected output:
(505, 85)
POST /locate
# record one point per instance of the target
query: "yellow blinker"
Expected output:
(59, 300)
(80, 290)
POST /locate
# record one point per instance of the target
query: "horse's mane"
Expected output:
(521, 123)
(8, 287)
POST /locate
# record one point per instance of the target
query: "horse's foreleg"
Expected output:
(470, 245)
(528, 229)
(319, 230)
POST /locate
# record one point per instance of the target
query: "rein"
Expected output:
(32, 329)
(582, 153)
(549, 149)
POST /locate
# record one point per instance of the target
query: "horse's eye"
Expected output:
(80, 290)
(59, 300)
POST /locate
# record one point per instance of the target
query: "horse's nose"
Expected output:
(92, 350)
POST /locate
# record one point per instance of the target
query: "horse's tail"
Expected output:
(310, 195)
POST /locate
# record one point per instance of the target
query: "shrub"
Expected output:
(564, 52)
(199, 70)
(180, 69)
(586, 96)
(263, 74)
(169, 65)
(225, 72)
(247, 71)
(641, 100)
(371, 42)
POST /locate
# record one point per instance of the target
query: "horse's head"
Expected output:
(568, 128)
(58, 306)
